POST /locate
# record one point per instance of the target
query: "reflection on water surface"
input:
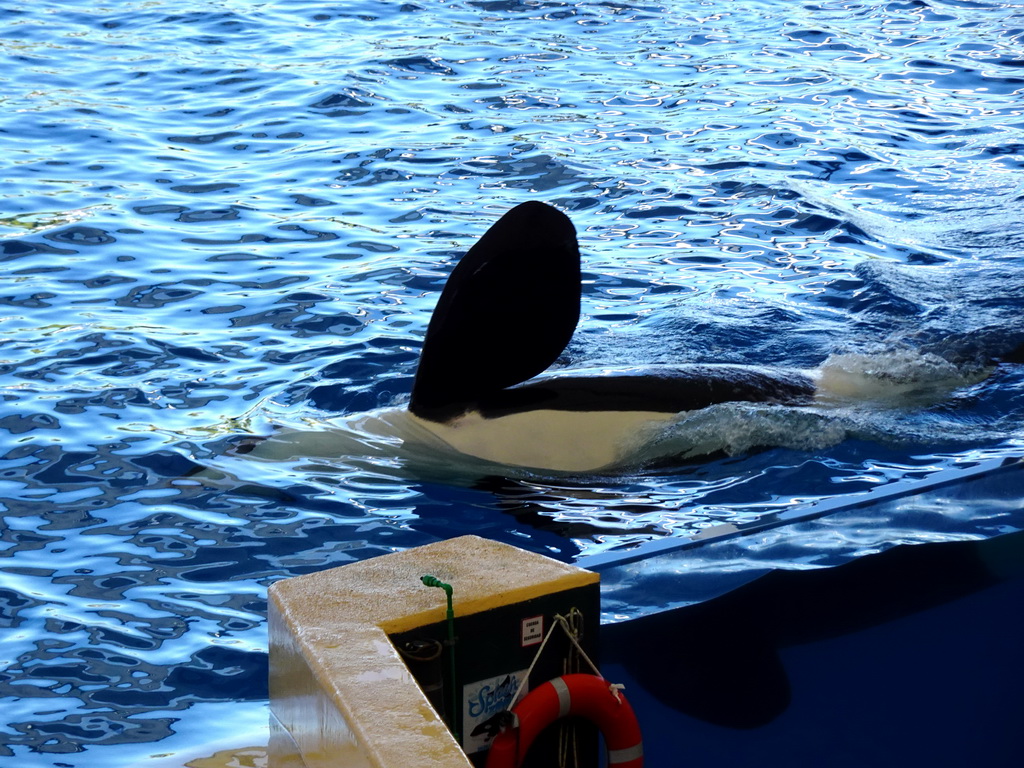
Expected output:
(223, 217)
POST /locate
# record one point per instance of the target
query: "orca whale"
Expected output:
(507, 311)
(483, 393)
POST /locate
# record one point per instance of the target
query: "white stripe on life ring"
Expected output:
(564, 696)
(619, 756)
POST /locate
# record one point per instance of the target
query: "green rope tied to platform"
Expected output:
(433, 581)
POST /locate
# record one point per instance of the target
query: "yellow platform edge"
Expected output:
(339, 690)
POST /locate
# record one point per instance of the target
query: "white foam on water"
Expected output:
(900, 377)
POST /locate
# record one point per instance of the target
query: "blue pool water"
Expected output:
(223, 217)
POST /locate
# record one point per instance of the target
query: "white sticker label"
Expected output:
(532, 630)
(481, 701)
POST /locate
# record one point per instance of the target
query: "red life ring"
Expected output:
(588, 696)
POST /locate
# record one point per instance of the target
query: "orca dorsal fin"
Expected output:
(506, 313)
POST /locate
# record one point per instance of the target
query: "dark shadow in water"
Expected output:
(724, 664)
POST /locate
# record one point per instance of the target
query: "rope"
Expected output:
(560, 621)
(571, 627)
(568, 743)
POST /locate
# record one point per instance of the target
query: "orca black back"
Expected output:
(661, 389)
(506, 313)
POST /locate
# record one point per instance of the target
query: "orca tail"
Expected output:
(506, 313)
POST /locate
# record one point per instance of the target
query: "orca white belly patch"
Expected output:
(563, 441)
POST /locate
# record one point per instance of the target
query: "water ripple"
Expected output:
(224, 217)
